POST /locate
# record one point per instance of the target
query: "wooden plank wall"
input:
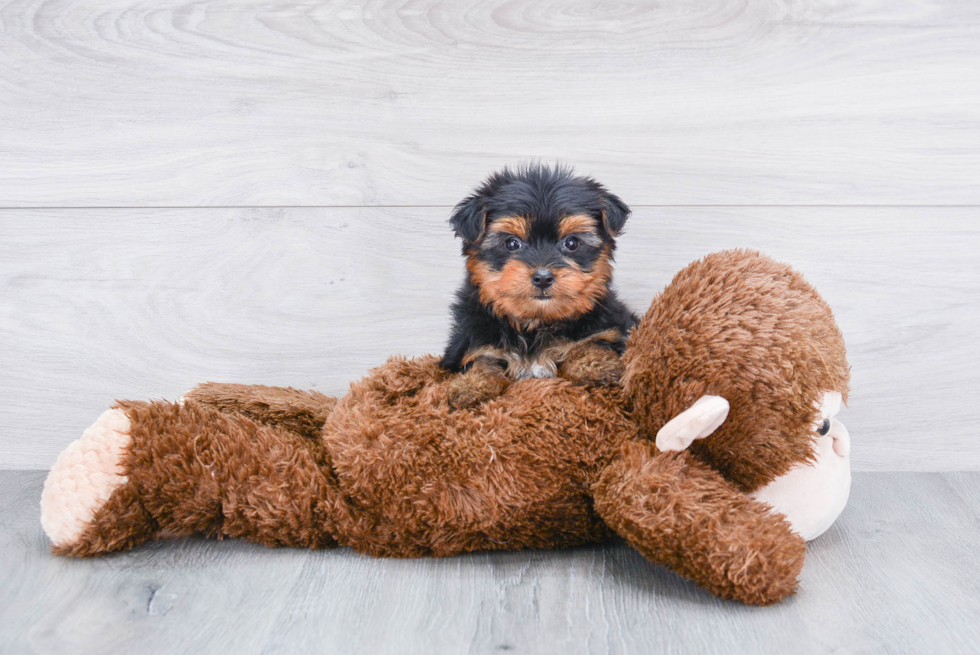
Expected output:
(257, 191)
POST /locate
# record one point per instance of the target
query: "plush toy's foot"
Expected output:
(83, 479)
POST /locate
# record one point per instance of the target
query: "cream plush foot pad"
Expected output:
(84, 477)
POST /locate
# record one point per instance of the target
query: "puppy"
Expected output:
(536, 301)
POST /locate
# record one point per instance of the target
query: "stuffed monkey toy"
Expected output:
(716, 456)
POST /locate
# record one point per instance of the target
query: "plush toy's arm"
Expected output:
(682, 514)
(303, 412)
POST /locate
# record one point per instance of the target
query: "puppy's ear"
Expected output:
(469, 219)
(614, 213)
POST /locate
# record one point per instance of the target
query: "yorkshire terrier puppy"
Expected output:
(536, 301)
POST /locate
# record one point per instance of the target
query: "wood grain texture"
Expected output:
(103, 304)
(225, 102)
(897, 573)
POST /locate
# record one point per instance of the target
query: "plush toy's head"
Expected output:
(738, 325)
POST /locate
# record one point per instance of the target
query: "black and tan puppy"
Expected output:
(536, 301)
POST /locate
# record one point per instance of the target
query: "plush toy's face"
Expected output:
(812, 495)
(829, 426)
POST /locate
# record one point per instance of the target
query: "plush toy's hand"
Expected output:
(697, 422)
(679, 512)
(484, 379)
(591, 364)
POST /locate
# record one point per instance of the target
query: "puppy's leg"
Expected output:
(591, 362)
(486, 378)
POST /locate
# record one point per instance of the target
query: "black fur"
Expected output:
(545, 195)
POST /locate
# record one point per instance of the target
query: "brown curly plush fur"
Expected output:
(393, 469)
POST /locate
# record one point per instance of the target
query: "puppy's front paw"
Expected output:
(483, 381)
(592, 365)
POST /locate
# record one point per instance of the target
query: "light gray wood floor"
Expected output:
(898, 573)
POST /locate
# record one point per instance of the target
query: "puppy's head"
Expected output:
(539, 243)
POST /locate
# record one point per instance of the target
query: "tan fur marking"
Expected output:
(479, 271)
(483, 351)
(510, 294)
(516, 225)
(605, 224)
(576, 224)
(611, 335)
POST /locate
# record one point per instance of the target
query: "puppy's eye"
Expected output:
(512, 244)
(570, 244)
(825, 428)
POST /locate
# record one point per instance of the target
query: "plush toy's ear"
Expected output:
(614, 213)
(469, 219)
(696, 422)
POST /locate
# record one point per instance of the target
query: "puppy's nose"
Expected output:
(542, 278)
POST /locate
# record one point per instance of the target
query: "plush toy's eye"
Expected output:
(824, 428)
(512, 244)
(570, 244)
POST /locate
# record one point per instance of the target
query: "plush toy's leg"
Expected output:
(82, 481)
(680, 513)
(145, 470)
(304, 412)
